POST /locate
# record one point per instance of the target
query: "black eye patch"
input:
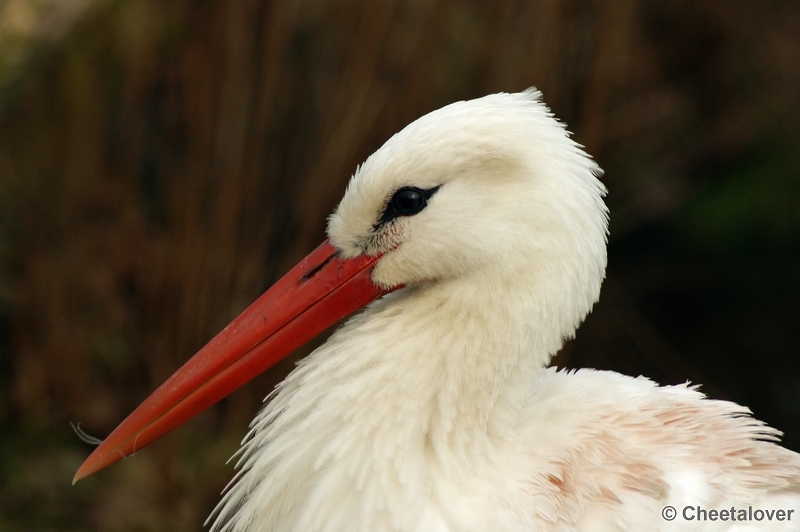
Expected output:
(406, 201)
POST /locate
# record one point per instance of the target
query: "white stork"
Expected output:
(483, 227)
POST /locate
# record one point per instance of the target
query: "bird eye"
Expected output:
(408, 201)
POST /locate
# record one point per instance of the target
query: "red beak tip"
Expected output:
(92, 465)
(81, 473)
(87, 469)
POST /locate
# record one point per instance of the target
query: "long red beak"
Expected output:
(316, 293)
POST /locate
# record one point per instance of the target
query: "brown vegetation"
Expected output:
(161, 163)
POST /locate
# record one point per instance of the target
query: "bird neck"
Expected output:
(460, 358)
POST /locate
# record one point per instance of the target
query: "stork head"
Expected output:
(491, 188)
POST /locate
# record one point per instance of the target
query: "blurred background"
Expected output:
(162, 163)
